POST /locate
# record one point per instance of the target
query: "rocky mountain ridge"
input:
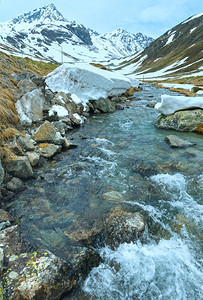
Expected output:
(45, 34)
(177, 51)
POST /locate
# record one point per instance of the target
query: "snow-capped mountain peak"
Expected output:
(48, 13)
(45, 34)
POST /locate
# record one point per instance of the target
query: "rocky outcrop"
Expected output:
(171, 104)
(176, 142)
(187, 120)
(19, 166)
(39, 274)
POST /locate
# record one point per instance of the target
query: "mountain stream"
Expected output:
(123, 152)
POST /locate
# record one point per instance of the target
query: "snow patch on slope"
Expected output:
(87, 82)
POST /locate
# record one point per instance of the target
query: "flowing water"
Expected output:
(126, 156)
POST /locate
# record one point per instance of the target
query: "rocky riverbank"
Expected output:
(46, 118)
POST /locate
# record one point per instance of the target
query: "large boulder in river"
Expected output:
(19, 166)
(45, 133)
(187, 120)
(170, 104)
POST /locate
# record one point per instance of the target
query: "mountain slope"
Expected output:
(178, 51)
(45, 34)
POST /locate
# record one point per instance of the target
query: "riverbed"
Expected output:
(122, 161)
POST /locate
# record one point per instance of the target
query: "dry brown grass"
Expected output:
(100, 66)
(8, 90)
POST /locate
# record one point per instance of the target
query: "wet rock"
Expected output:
(45, 133)
(123, 227)
(176, 142)
(49, 150)
(40, 274)
(119, 106)
(33, 157)
(151, 104)
(5, 216)
(15, 185)
(69, 144)
(187, 120)
(19, 166)
(145, 168)
(26, 143)
(118, 227)
(58, 139)
(113, 196)
(1, 173)
(104, 105)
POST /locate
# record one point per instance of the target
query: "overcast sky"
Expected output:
(151, 17)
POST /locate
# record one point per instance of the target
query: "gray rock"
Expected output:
(1, 173)
(66, 120)
(119, 106)
(5, 216)
(19, 166)
(50, 150)
(15, 185)
(61, 126)
(33, 157)
(58, 139)
(3, 225)
(69, 144)
(26, 143)
(1, 262)
(104, 105)
(151, 104)
(176, 142)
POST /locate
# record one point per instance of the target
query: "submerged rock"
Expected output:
(118, 227)
(176, 142)
(187, 120)
(19, 166)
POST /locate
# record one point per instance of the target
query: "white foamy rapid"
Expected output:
(168, 269)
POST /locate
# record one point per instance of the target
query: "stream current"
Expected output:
(126, 156)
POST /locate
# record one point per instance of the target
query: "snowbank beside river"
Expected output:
(87, 82)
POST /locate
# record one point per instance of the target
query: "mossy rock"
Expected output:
(186, 120)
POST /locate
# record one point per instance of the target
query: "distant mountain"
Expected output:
(178, 51)
(45, 34)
